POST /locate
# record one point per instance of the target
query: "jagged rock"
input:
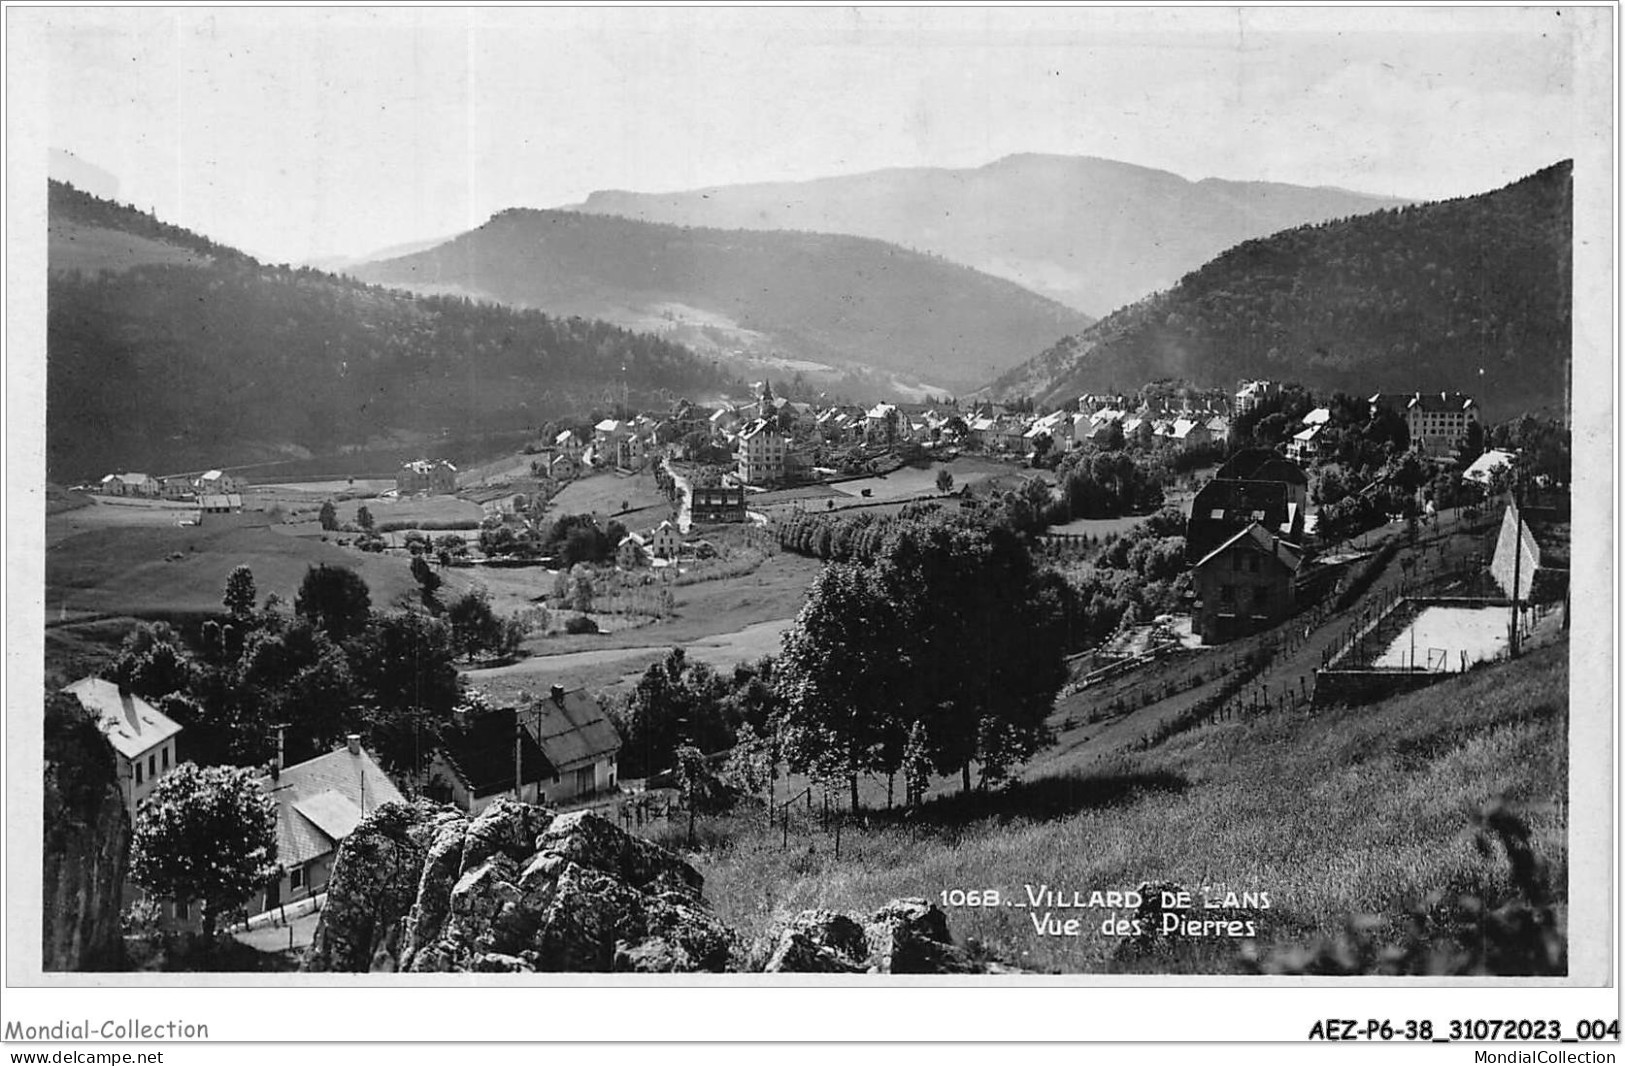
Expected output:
(911, 936)
(374, 881)
(796, 952)
(904, 936)
(590, 839)
(506, 827)
(519, 890)
(492, 962)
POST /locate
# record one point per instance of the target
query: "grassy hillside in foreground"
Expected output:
(1352, 818)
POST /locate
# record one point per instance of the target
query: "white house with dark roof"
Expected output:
(130, 485)
(319, 802)
(143, 738)
(578, 740)
(218, 483)
(474, 763)
(433, 476)
(664, 540)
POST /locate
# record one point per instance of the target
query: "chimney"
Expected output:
(276, 767)
(354, 742)
(558, 695)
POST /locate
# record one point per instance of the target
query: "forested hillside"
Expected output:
(1471, 294)
(163, 367)
(834, 300)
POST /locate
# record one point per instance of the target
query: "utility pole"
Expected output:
(1517, 565)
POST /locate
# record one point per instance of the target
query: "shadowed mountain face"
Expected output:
(1090, 233)
(833, 300)
(166, 351)
(1471, 294)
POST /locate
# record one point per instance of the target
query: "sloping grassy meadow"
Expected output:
(1361, 816)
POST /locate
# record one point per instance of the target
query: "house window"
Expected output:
(166, 756)
(1227, 594)
(584, 779)
(152, 765)
(138, 778)
(296, 878)
(1252, 564)
(183, 911)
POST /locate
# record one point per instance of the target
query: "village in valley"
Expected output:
(1051, 514)
(1236, 528)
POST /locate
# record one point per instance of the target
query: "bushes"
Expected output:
(439, 524)
(580, 624)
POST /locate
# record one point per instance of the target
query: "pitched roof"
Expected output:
(131, 724)
(1233, 500)
(1440, 401)
(319, 801)
(1261, 464)
(573, 730)
(1486, 464)
(1318, 417)
(480, 753)
(1290, 555)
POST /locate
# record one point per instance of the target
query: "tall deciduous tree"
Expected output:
(335, 598)
(240, 592)
(841, 675)
(207, 835)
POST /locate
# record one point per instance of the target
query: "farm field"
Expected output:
(724, 621)
(103, 513)
(615, 669)
(1099, 527)
(432, 512)
(604, 494)
(911, 481)
(127, 569)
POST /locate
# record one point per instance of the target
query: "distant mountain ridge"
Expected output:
(1472, 294)
(827, 299)
(167, 351)
(1093, 234)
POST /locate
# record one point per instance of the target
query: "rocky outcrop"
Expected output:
(515, 890)
(905, 936)
(86, 846)
(370, 891)
(85, 858)
(519, 889)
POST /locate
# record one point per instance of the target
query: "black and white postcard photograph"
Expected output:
(810, 496)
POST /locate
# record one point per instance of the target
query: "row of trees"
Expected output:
(331, 666)
(950, 636)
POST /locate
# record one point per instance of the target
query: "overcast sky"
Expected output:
(307, 133)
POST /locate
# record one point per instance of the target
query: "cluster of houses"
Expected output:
(567, 752)
(1244, 540)
(1246, 530)
(663, 542)
(433, 477)
(213, 491)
